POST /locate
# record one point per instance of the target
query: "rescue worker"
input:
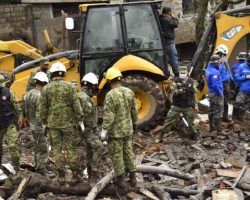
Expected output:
(60, 109)
(44, 66)
(94, 146)
(169, 23)
(36, 127)
(184, 102)
(226, 77)
(243, 98)
(119, 123)
(241, 59)
(9, 110)
(215, 94)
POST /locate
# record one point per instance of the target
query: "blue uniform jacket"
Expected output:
(244, 70)
(235, 69)
(225, 73)
(214, 81)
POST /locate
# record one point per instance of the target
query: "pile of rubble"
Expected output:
(171, 166)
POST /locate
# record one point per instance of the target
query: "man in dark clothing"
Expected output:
(168, 24)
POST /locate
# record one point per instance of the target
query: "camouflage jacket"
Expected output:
(119, 112)
(31, 106)
(31, 84)
(89, 109)
(59, 104)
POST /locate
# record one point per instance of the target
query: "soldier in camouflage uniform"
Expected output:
(94, 146)
(9, 109)
(120, 116)
(44, 66)
(215, 93)
(60, 109)
(37, 129)
(184, 101)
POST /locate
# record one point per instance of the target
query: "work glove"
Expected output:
(103, 134)
(81, 124)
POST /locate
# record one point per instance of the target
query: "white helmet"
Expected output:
(222, 48)
(57, 67)
(41, 76)
(91, 78)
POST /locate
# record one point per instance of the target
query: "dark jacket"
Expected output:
(7, 113)
(168, 24)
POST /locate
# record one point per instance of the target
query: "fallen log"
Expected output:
(169, 172)
(161, 193)
(139, 168)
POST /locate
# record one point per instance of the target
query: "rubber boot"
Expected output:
(211, 123)
(61, 177)
(120, 182)
(75, 178)
(236, 113)
(218, 126)
(132, 179)
(225, 114)
(94, 178)
(16, 166)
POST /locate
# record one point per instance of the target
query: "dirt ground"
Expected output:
(174, 150)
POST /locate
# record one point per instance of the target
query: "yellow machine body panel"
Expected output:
(230, 30)
(134, 63)
(22, 78)
(8, 50)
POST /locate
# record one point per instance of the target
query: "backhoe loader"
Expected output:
(128, 37)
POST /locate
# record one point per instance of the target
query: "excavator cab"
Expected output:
(113, 31)
(128, 37)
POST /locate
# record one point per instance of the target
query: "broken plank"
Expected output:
(227, 173)
(148, 194)
(19, 190)
(239, 176)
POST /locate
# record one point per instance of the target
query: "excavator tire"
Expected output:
(150, 101)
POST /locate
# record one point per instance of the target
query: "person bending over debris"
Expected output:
(31, 100)
(184, 102)
(119, 122)
(94, 146)
(9, 109)
(60, 109)
(242, 103)
(215, 94)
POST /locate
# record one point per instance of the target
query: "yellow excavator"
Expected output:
(114, 35)
(16, 52)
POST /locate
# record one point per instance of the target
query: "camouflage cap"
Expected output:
(44, 61)
(2, 79)
(183, 68)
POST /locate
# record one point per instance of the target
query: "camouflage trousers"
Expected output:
(94, 148)
(243, 101)
(11, 136)
(174, 115)
(40, 145)
(122, 155)
(65, 143)
(216, 106)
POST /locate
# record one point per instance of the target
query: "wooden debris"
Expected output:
(161, 193)
(100, 185)
(197, 147)
(158, 170)
(135, 196)
(240, 175)
(228, 173)
(19, 190)
(148, 194)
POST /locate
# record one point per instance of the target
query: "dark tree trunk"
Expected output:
(199, 28)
